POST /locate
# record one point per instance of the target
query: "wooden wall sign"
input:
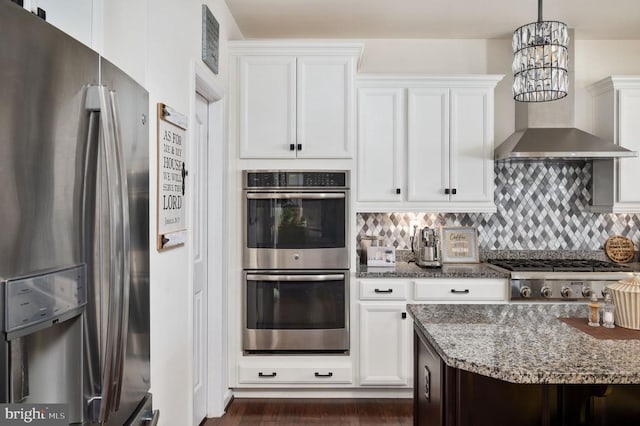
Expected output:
(171, 205)
(210, 39)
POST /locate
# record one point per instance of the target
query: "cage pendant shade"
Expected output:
(540, 60)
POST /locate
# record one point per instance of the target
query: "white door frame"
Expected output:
(218, 393)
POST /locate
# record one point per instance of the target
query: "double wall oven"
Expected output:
(296, 261)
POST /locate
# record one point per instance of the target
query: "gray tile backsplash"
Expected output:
(542, 205)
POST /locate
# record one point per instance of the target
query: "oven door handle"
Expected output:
(290, 195)
(329, 277)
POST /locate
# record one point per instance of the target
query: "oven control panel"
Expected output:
(254, 179)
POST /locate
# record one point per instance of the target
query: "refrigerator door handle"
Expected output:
(125, 242)
(101, 406)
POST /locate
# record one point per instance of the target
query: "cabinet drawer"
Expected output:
(383, 289)
(301, 375)
(461, 290)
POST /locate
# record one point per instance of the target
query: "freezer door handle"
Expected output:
(124, 244)
(97, 100)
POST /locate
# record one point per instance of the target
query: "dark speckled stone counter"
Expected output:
(526, 343)
(411, 270)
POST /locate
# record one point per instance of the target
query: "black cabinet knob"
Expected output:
(292, 147)
(446, 191)
(299, 147)
(453, 191)
(397, 190)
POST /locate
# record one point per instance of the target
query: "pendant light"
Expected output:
(540, 60)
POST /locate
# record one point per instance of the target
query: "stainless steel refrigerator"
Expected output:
(74, 227)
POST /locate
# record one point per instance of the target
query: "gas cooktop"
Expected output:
(559, 265)
(560, 279)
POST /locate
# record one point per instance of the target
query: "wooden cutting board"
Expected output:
(619, 249)
(617, 333)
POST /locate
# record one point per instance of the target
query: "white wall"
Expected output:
(155, 42)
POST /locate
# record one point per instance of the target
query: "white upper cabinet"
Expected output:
(426, 143)
(295, 100)
(616, 108)
(428, 164)
(325, 106)
(381, 129)
(267, 89)
(471, 146)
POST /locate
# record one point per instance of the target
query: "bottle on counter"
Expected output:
(608, 310)
(594, 311)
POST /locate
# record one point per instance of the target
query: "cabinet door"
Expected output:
(628, 131)
(428, 145)
(471, 145)
(267, 106)
(381, 127)
(385, 344)
(325, 106)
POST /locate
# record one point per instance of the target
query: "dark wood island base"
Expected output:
(449, 396)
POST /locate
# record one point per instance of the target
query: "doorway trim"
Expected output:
(218, 393)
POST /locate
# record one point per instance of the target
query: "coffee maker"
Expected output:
(426, 247)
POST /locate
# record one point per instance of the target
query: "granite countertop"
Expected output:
(411, 270)
(526, 343)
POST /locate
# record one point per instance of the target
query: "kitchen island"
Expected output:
(519, 364)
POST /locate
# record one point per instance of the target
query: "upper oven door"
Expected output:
(295, 230)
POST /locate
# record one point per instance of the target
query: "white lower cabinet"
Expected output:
(385, 344)
(485, 290)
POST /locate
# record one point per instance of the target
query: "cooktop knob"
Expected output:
(545, 292)
(587, 292)
(525, 292)
(565, 292)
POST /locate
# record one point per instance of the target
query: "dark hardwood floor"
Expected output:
(277, 412)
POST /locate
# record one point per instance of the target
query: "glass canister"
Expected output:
(608, 312)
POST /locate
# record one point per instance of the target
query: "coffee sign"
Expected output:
(459, 244)
(172, 175)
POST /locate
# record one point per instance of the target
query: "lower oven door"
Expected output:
(296, 312)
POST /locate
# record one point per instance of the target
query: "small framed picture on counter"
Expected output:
(459, 244)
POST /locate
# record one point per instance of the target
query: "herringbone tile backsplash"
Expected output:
(542, 205)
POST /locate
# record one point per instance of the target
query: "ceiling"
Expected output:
(485, 19)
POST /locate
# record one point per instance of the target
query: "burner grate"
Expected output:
(559, 265)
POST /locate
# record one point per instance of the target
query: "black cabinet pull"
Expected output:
(377, 290)
(329, 374)
(465, 291)
(446, 191)
(397, 190)
(453, 191)
(292, 147)
(261, 374)
(299, 147)
(404, 315)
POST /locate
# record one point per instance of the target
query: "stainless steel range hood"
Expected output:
(547, 130)
(558, 142)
